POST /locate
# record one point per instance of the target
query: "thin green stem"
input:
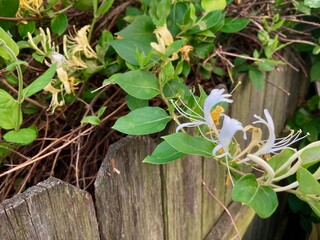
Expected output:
(94, 20)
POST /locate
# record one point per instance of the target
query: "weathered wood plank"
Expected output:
(224, 230)
(183, 198)
(214, 175)
(129, 204)
(50, 210)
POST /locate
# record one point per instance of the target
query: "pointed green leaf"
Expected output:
(262, 199)
(307, 183)
(163, 153)
(41, 82)
(139, 84)
(142, 121)
(93, 120)
(136, 36)
(233, 25)
(104, 7)
(188, 144)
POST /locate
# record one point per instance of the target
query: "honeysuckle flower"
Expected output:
(57, 58)
(272, 145)
(32, 6)
(185, 50)
(229, 128)
(209, 117)
(64, 78)
(164, 39)
(215, 97)
(80, 44)
(54, 99)
(75, 62)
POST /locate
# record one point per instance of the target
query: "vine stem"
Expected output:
(223, 206)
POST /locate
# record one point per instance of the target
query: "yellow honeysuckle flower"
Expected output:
(185, 50)
(32, 6)
(76, 63)
(80, 43)
(63, 77)
(54, 99)
(164, 39)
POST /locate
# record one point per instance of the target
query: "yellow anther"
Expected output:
(215, 114)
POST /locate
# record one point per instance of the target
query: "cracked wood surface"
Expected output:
(52, 209)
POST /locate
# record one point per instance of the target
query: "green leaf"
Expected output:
(104, 7)
(59, 23)
(10, 44)
(41, 82)
(135, 103)
(139, 84)
(4, 146)
(163, 154)
(8, 8)
(136, 36)
(257, 78)
(278, 160)
(188, 144)
(23, 136)
(23, 29)
(307, 183)
(93, 120)
(11, 118)
(262, 199)
(101, 111)
(83, 4)
(310, 156)
(142, 121)
(213, 5)
(6, 100)
(233, 25)
(315, 72)
(312, 3)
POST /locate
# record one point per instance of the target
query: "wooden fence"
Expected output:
(140, 201)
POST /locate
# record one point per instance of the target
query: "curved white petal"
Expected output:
(216, 96)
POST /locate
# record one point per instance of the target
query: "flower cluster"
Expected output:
(76, 50)
(226, 146)
(31, 7)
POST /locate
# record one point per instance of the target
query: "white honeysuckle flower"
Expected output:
(229, 127)
(209, 118)
(216, 96)
(57, 58)
(272, 145)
